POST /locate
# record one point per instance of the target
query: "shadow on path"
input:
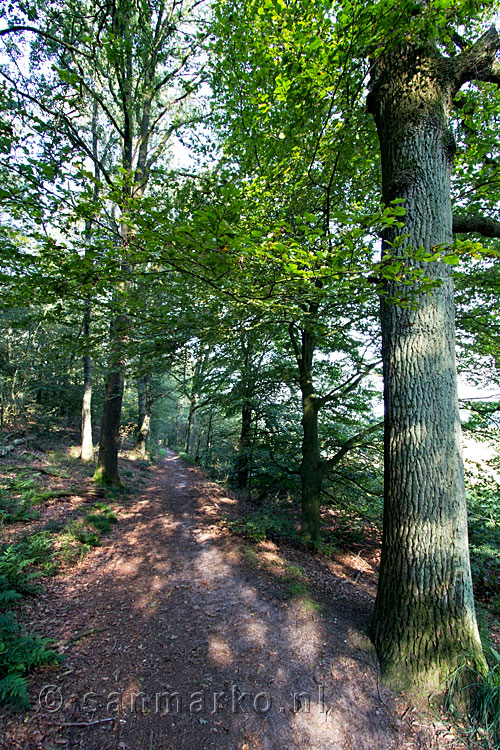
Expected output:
(191, 647)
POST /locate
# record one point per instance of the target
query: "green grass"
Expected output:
(101, 518)
(186, 457)
(268, 522)
(75, 540)
(472, 702)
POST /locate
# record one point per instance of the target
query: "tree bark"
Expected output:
(311, 465)
(424, 617)
(107, 465)
(87, 452)
(244, 443)
(190, 423)
(145, 404)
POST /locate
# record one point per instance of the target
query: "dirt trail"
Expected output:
(178, 642)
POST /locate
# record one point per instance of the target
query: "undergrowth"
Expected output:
(267, 522)
(274, 520)
(18, 494)
(186, 457)
(472, 702)
(20, 652)
(24, 562)
(484, 537)
(21, 564)
(79, 535)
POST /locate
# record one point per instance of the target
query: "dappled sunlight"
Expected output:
(219, 651)
(254, 630)
(305, 633)
(191, 635)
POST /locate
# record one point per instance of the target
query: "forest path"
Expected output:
(180, 642)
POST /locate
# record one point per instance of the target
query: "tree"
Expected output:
(285, 113)
(424, 616)
(131, 68)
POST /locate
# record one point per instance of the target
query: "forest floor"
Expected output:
(179, 635)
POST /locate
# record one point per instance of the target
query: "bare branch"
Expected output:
(46, 35)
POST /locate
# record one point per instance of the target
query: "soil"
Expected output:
(179, 635)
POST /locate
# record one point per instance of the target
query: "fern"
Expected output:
(14, 690)
(19, 654)
(8, 596)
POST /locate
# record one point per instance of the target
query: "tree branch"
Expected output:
(479, 224)
(328, 464)
(46, 35)
(477, 63)
(348, 386)
(345, 479)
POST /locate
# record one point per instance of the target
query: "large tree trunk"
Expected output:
(87, 452)
(107, 464)
(145, 407)
(424, 615)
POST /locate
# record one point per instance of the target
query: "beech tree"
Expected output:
(131, 68)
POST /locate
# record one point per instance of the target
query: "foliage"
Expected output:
(480, 693)
(19, 651)
(269, 522)
(19, 654)
(19, 563)
(75, 540)
(187, 457)
(484, 536)
(17, 496)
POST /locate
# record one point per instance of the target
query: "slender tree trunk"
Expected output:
(145, 407)
(209, 437)
(311, 465)
(107, 464)
(310, 471)
(87, 452)
(190, 424)
(244, 444)
(424, 615)
(198, 446)
(247, 388)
